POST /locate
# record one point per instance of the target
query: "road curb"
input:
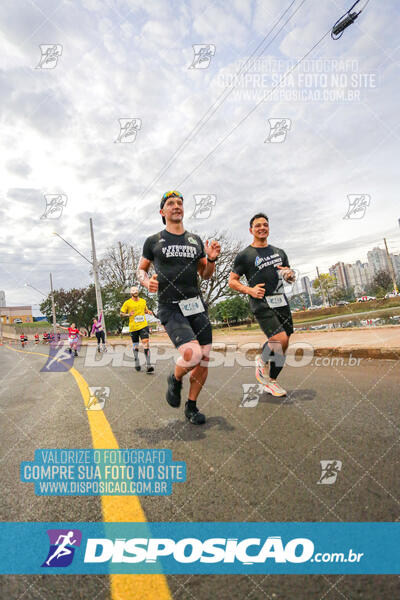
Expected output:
(345, 352)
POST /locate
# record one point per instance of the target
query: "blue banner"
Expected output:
(204, 548)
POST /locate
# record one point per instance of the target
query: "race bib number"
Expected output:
(276, 300)
(191, 306)
(139, 319)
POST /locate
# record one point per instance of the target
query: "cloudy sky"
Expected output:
(125, 59)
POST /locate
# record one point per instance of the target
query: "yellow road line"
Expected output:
(118, 508)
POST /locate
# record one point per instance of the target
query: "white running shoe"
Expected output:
(261, 371)
(272, 387)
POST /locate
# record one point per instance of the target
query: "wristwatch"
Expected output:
(211, 261)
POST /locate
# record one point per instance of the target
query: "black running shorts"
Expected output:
(274, 320)
(182, 330)
(143, 334)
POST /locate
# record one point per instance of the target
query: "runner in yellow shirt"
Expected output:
(136, 309)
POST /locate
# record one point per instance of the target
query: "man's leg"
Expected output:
(190, 357)
(198, 378)
(146, 344)
(199, 374)
(135, 344)
(274, 353)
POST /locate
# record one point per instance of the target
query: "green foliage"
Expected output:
(324, 284)
(299, 301)
(340, 293)
(231, 310)
(77, 305)
(381, 285)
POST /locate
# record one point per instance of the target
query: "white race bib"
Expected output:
(191, 306)
(139, 319)
(276, 300)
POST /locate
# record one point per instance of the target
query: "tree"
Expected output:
(341, 293)
(119, 266)
(381, 284)
(77, 305)
(231, 310)
(217, 287)
(324, 284)
(117, 272)
(299, 300)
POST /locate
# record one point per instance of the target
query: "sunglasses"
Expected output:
(172, 194)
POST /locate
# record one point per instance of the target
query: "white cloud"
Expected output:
(131, 60)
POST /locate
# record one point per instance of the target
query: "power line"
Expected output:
(211, 110)
(253, 109)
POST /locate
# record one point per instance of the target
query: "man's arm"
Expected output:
(205, 269)
(235, 284)
(206, 266)
(150, 283)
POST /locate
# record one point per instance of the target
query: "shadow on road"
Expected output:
(183, 431)
(291, 398)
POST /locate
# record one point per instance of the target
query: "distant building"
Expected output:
(338, 271)
(2, 298)
(8, 314)
(396, 264)
(378, 261)
(358, 276)
(305, 285)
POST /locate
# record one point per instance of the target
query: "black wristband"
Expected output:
(211, 261)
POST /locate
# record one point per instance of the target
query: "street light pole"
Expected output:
(53, 306)
(321, 287)
(95, 266)
(99, 300)
(390, 265)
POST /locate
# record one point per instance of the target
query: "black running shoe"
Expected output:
(70, 350)
(193, 415)
(150, 369)
(137, 367)
(173, 395)
(76, 354)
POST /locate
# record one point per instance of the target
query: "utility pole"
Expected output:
(99, 301)
(391, 270)
(53, 306)
(308, 290)
(321, 287)
(121, 255)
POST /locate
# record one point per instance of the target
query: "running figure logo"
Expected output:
(63, 543)
(54, 206)
(358, 204)
(329, 471)
(278, 129)
(128, 129)
(59, 359)
(251, 395)
(97, 399)
(50, 54)
(204, 203)
(203, 54)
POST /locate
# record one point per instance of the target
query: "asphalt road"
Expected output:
(247, 463)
